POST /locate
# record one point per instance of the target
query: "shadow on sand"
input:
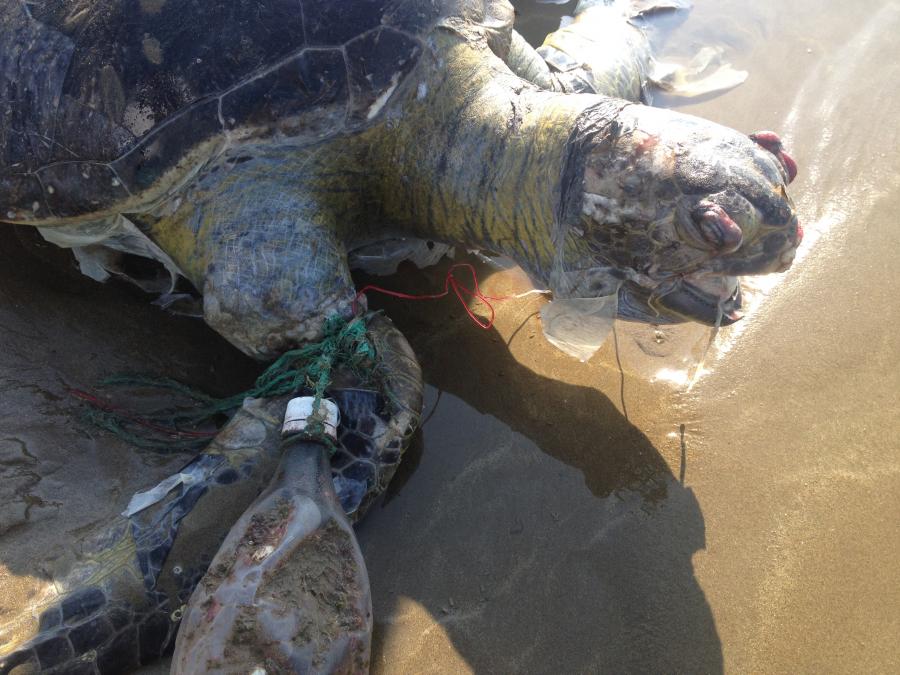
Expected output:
(533, 523)
(540, 529)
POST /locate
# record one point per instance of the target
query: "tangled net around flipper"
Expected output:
(308, 369)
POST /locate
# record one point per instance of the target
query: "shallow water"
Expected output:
(564, 517)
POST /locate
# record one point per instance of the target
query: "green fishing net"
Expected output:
(194, 421)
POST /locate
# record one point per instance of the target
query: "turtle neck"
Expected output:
(477, 156)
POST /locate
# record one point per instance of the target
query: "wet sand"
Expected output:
(559, 517)
(61, 477)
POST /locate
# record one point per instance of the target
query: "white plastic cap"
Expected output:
(299, 415)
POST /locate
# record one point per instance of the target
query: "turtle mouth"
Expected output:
(703, 297)
(714, 300)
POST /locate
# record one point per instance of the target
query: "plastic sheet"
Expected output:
(98, 248)
(382, 258)
(147, 498)
(579, 326)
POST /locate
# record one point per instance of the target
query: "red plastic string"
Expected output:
(450, 283)
(140, 421)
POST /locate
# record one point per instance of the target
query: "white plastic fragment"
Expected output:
(382, 258)
(705, 74)
(96, 246)
(142, 500)
(299, 415)
(379, 102)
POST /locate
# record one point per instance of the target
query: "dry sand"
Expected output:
(556, 517)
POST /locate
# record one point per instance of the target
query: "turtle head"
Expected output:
(675, 209)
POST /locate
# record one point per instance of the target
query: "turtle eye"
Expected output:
(716, 228)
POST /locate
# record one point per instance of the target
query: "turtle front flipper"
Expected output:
(254, 237)
(604, 50)
(598, 51)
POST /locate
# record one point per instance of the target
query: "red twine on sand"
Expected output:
(450, 283)
(100, 404)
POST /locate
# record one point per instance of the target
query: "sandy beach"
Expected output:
(683, 502)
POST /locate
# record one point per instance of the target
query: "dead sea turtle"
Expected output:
(250, 146)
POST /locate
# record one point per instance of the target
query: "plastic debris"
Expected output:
(579, 326)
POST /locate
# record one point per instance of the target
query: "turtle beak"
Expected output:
(688, 302)
(681, 301)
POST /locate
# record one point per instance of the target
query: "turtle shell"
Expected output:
(108, 105)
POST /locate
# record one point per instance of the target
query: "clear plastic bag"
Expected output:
(579, 326)
(98, 247)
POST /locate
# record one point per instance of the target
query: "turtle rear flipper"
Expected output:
(120, 601)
